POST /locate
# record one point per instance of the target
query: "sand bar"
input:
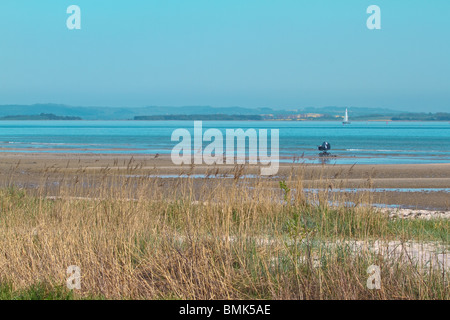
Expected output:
(425, 184)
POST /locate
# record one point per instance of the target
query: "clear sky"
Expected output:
(249, 53)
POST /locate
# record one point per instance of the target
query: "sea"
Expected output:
(357, 143)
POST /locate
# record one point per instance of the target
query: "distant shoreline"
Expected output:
(167, 113)
(199, 119)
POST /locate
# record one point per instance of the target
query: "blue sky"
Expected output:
(249, 53)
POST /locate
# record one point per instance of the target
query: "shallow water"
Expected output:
(360, 142)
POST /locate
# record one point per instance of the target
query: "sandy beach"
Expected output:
(141, 228)
(422, 186)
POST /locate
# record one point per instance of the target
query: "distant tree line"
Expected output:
(42, 116)
(202, 117)
(440, 116)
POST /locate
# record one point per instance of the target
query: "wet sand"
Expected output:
(424, 183)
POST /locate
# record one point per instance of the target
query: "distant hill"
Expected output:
(42, 116)
(114, 113)
(353, 111)
(49, 112)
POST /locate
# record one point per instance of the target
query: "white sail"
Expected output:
(346, 117)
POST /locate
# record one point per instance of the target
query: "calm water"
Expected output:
(360, 142)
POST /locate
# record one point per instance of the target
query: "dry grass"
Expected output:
(142, 238)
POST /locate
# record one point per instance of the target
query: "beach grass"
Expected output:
(135, 238)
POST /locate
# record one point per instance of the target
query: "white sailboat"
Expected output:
(346, 118)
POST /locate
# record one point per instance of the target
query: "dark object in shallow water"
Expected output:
(324, 148)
